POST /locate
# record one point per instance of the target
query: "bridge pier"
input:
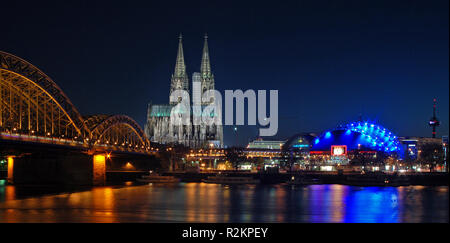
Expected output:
(99, 170)
(77, 169)
(10, 177)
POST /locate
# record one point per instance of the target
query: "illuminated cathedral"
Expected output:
(158, 127)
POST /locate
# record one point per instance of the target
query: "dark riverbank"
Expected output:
(425, 179)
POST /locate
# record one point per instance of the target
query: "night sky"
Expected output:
(330, 60)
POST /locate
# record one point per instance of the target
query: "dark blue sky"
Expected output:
(330, 60)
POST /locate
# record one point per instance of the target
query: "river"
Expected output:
(200, 202)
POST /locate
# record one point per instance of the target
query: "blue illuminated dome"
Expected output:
(359, 135)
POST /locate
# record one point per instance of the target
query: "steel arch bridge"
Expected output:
(34, 108)
(115, 130)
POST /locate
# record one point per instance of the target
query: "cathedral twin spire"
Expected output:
(180, 66)
(180, 77)
(205, 67)
(159, 127)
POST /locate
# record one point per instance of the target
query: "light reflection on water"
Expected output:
(200, 202)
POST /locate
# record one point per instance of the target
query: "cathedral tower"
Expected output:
(205, 69)
(212, 133)
(179, 80)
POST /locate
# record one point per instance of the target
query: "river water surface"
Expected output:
(200, 202)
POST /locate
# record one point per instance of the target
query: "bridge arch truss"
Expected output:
(116, 130)
(33, 107)
(31, 103)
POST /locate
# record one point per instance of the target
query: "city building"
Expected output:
(296, 150)
(301, 142)
(265, 144)
(412, 146)
(357, 143)
(357, 146)
(159, 128)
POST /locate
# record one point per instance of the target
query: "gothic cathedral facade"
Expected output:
(158, 127)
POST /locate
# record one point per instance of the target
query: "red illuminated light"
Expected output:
(339, 150)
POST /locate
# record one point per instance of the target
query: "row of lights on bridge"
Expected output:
(123, 144)
(76, 137)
